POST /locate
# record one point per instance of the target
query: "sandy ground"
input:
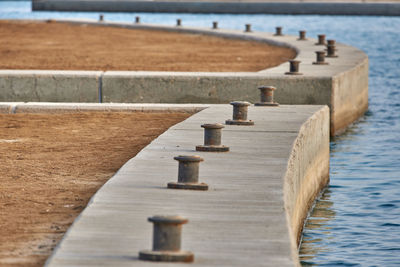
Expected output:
(52, 164)
(41, 45)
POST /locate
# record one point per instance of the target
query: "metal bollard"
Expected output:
(167, 232)
(137, 19)
(331, 49)
(212, 138)
(278, 31)
(267, 96)
(248, 28)
(215, 25)
(178, 22)
(240, 114)
(101, 17)
(302, 36)
(321, 39)
(320, 58)
(188, 174)
(294, 68)
(331, 42)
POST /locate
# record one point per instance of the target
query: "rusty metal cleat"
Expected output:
(278, 31)
(294, 68)
(167, 231)
(212, 138)
(267, 96)
(320, 58)
(321, 39)
(239, 116)
(188, 174)
(302, 36)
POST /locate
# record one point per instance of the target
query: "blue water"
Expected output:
(356, 221)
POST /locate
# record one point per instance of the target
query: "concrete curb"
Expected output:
(342, 85)
(43, 107)
(250, 215)
(231, 7)
(49, 85)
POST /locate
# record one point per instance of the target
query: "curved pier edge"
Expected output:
(259, 192)
(307, 172)
(342, 85)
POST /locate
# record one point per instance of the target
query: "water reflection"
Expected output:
(318, 229)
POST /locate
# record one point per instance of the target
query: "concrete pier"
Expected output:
(253, 212)
(369, 8)
(342, 85)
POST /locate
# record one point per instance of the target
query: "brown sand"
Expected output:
(41, 45)
(52, 164)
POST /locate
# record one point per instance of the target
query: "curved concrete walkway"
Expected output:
(259, 195)
(342, 85)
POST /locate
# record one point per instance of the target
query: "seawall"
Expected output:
(366, 8)
(259, 192)
(342, 85)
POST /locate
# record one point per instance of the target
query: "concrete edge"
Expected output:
(307, 172)
(43, 107)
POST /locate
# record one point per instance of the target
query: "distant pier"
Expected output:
(329, 7)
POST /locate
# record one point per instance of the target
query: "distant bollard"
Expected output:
(302, 36)
(320, 58)
(247, 27)
(321, 39)
(239, 116)
(212, 138)
(101, 17)
(215, 25)
(137, 19)
(188, 174)
(167, 232)
(331, 42)
(278, 31)
(178, 22)
(294, 68)
(331, 49)
(267, 96)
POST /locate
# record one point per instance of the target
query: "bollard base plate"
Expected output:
(331, 56)
(293, 73)
(320, 44)
(188, 186)
(212, 148)
(166, 256)
(320, 63)
(267, 104)
(239, 122)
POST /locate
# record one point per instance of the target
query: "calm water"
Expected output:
(356, 221)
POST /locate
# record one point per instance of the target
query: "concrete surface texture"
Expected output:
(342, 85)
(50, 86)
(326, 7)
(43, 107)
(250, 214)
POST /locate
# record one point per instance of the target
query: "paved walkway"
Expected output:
(239, 221)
